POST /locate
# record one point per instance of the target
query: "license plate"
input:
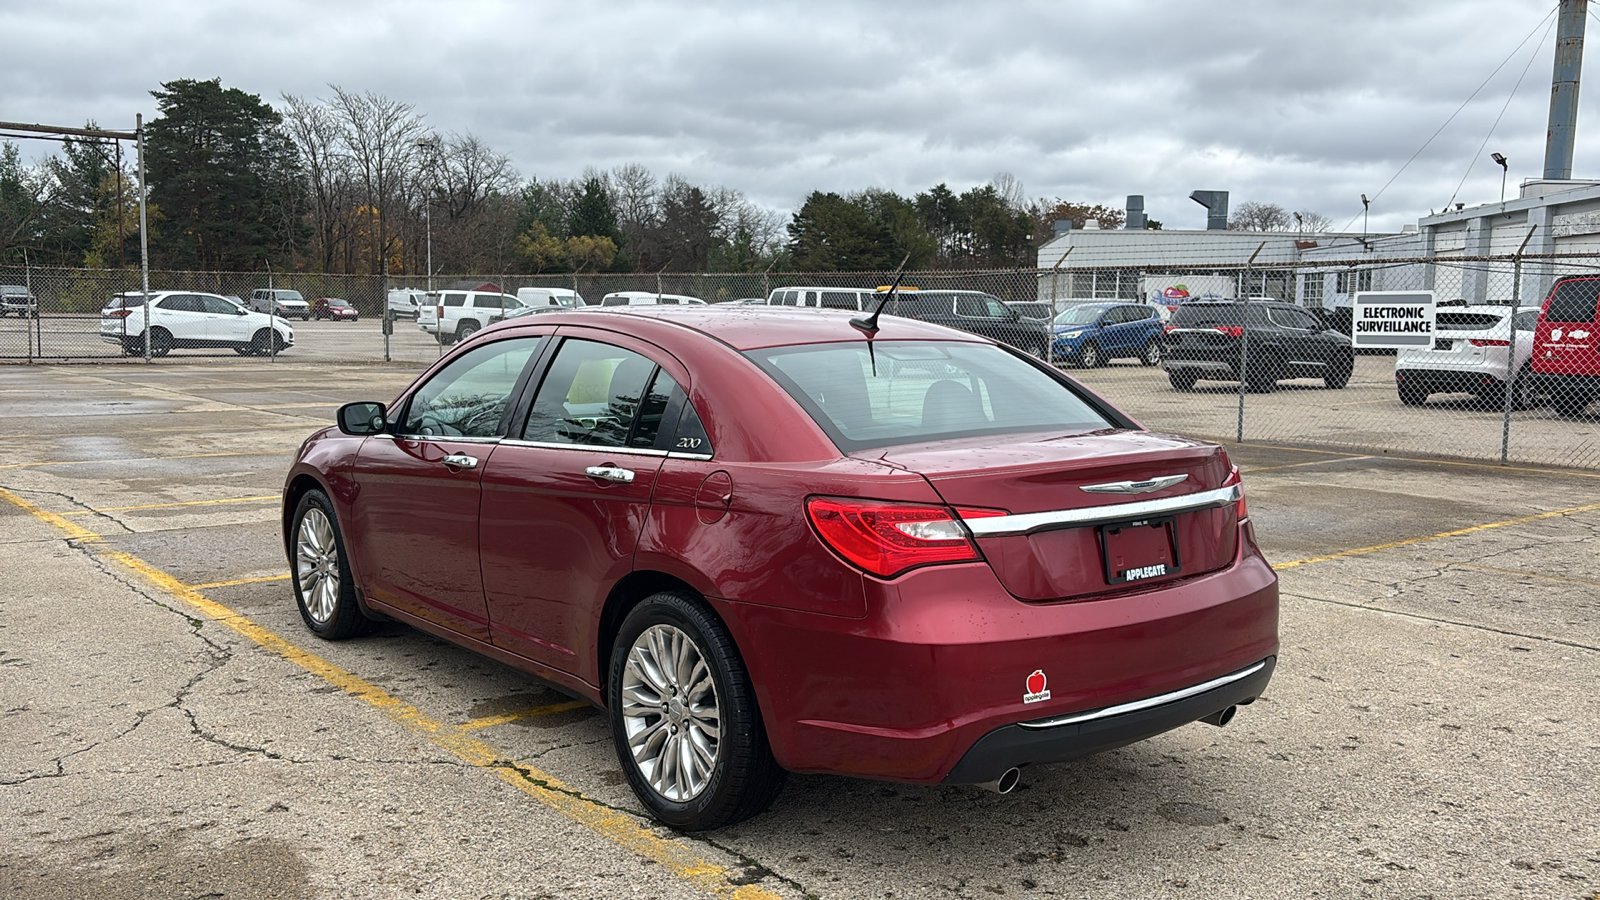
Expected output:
(1141, 550)
(1442, 345)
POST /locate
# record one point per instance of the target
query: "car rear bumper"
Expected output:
(1064, 738)
(944, 656)
(1209, 368)
(1467, 381)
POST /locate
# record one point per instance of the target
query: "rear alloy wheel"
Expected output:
(160, 341)
(1089, 356)
(1152, 353)
(1413, 394)
(323, 586)
(1182, 379)
(684, 717)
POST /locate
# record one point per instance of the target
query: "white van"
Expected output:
(823, 297)
(543, 296)
(406, 301)
(648, 298)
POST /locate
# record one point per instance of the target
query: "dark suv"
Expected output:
(1277, 341)
(976, 312)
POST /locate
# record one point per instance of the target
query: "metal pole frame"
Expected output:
(144, 233)
(1512, 375)
(1055, 295)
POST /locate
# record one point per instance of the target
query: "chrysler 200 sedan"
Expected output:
(767, 541)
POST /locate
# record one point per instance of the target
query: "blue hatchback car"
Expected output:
(1089, 334)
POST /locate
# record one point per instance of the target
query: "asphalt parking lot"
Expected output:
(168, 728)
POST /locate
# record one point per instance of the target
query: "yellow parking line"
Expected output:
(105, 509)
(621, 829)
(222, 584)
(1362, 551)
(1564, 473)
(550, 710)
(136, 459)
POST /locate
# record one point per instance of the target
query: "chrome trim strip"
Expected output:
(678, 454)
(592, 448)
(1147, 486)
(445, 437)
(1146, 703)
(1026, 523)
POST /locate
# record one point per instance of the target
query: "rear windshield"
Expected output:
(1204, 315)
(1574, 301)
(1466, 321)
(904, 392)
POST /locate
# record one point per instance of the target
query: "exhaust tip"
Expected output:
(1221, 717)
(1006, 783)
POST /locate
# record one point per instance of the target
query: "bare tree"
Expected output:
(1254, 216)
(318, 137)
(1313, 222)
(380, 137)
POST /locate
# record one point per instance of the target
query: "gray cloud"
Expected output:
(1307, 105)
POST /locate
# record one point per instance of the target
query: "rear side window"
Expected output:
(454, 300)
(839, 300)
(613, 301)
(902, 392)
(1574, 301)
(590, 396)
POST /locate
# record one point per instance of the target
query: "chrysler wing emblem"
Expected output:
(1147, 486)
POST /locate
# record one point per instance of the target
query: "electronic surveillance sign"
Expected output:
(1391, 320)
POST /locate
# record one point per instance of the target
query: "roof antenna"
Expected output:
(869, 325)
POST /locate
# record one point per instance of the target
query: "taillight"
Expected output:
(119, 313)
(1233, 331)
(1240, 511)
(889, 538)
(1481, 342)
(1168, 329)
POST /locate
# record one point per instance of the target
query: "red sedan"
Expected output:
(769, 541)
(335, 309)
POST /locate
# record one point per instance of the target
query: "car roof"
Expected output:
(748, 327)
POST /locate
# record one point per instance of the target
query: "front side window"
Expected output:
(217, 305)
(902, 392)
(589, 396)
(468, 397)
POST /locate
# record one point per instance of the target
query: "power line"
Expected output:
(1513, 94)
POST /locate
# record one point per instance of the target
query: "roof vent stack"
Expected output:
(1136, 220)
(1216, 202)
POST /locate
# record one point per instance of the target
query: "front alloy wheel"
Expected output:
(324, 589)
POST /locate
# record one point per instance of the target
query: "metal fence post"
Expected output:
(1512, 375)
(144, 235)
(1244, 351)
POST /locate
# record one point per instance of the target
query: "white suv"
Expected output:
(1468, 356)
(181, 319)
(454, 316)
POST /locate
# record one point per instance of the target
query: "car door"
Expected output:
(184, 316)
(565, 500)
(415, 523)
(1306, 351)
(225, 323)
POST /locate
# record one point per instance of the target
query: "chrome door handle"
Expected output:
(610, 473)
(459, 461)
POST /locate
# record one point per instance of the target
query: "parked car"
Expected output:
(1205, 339)
(405, 302)
(1469, 354)
(17, 300)
(335, 309)
(452, 316)
(531, 311)
(545, 296)
(280, 302)
(822, 297)
(1566, 344)
(183, 319)
(1033, 309)
(1090, 334)
(764, 542)
(972, 311)
(649, 298)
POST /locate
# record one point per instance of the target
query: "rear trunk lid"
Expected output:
(1085, 512)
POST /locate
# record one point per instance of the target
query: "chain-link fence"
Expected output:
(1169, 342)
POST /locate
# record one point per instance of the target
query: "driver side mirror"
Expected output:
(361, 419)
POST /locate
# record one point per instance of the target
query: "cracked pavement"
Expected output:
(1431, 729)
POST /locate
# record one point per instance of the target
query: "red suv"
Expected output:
(1566, 344)
(765, 541)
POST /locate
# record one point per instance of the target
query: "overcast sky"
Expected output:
(1307, 105)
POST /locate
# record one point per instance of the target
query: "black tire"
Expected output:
(246, 350)
(467, 329)
(1182, 379)
(261, 343)
(342, 617)
(1339, 376)
(1413, 394)
(1089, 356)
(744, 778)
(1523, 394)
(160, 341)
(1570, 405)
(1152, 354)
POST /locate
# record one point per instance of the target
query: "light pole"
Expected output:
(1504, 168)
(1364, 204)
(429, 146)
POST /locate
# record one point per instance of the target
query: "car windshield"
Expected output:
(903, 392)
(1080, 315)
(337, 303)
